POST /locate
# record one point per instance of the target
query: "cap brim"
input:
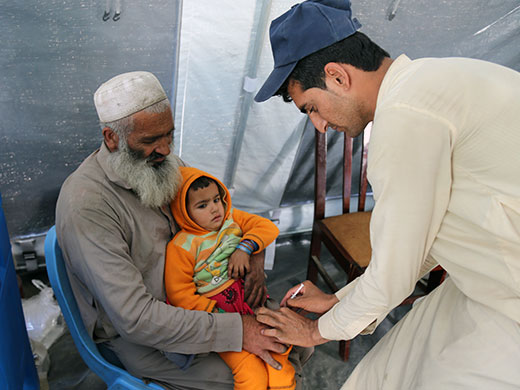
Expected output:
(274, 81)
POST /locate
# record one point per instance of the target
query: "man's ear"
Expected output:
(111, 139)
(337, 75)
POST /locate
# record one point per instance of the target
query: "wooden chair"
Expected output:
(346, 236)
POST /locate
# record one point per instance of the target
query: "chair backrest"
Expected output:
(114, 377)
(320, 177)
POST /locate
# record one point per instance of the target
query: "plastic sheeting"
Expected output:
(273, 166)
(57, 53)
(224, 57)
(53, 56)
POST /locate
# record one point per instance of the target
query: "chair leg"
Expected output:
(312, 270)
(344, 349)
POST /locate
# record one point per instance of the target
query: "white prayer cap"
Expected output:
(126, 94)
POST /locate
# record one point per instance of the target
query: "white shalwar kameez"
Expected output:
(444, 164)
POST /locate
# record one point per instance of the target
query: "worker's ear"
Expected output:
(111, 139)
(337, 75)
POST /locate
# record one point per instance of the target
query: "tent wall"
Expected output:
(274, 164)
(221, 43)
(55, 53)
(53, 56)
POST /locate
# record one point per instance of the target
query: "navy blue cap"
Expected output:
(304, 29)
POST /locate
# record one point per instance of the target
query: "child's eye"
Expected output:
(201, 206)
(217, 199)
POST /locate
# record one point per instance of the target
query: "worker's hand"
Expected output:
(238, 265)
(310, 298)
(254, 288)
(259, 344)
(288, 327)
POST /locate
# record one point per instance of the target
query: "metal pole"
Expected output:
(262, 12)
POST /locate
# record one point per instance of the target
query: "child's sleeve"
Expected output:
(178, 280)
(256, 228)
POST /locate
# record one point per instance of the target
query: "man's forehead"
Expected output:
(147, 124)
(297, 94)
(146, 116)
(294, 85)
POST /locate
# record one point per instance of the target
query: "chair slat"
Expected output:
(347, 172)
(363, 182)
(320, 175)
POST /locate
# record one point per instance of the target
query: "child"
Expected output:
(215, 242)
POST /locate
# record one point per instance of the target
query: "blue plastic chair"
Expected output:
(113, 376)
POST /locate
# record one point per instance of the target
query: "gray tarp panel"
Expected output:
(54, 54)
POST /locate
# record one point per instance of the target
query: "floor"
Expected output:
(324, 370)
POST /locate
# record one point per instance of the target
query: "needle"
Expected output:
(294, 294)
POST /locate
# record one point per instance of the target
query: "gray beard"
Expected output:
(154, 186)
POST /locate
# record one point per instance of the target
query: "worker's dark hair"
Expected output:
(356, 50)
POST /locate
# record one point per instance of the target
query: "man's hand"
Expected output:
(259, 344)
(310, 298)
(254, 288)
(289, 327)
(238, 265)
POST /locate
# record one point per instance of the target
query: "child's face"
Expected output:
(205, 207)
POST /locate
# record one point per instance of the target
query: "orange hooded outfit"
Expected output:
(196, 270)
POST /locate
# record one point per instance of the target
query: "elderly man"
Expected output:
(444, 164)
(113, 223)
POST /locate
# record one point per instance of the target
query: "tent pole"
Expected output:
(263, 9)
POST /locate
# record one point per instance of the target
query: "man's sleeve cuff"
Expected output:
(342, 293)
(331, 328)
(228, 336)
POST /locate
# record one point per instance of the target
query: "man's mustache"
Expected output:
(155, 156)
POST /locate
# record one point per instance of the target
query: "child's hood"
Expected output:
(178, 205)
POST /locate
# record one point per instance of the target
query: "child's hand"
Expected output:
(238, 265)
